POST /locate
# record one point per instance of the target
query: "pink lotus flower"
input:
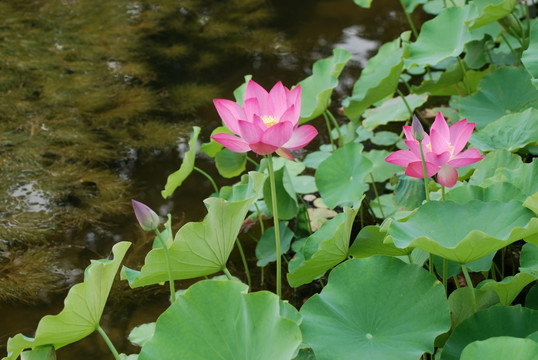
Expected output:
(267, 123)
(442, 151)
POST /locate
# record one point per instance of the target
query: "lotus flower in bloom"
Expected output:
(442, 151)
(268, 121)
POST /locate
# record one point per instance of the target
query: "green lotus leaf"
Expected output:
(460, 303)
(493, 161)
(341, 177)
(378, 79)
(463, 232)
(531, 202)
(501, 191)
(409, 193)
(501, 348)
(410, 5)
(369, 242)
(363, 3)
(385, 138)
(313, 159)
(529, 58)
(82, 310)
(40, 353)
(496, 321)
(266, 247)
(239, 92)
(391, 110)
(509, 288)
(285, 195)
(142, 333)
(316, 89)
(219, 320)
(387, 205)
(446, 84)
(294, 168)
(381, 170)
(304, 184)
(524, 177)
(324, 249)
(230, 164)
(435, 7)
(511, 132)
(176, 178)
(212, 147)
(489, 11)
(378, 307)
(200, 248)
(504, 91)
(528, 260)
(434, 43)
(531, 300)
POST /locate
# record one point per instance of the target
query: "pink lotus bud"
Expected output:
(146, 217)
(417, 129)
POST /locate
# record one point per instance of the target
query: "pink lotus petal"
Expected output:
(468, 157)
(229, 112)
(294, 98)
(285, 154)
(402, 158)
(460, 133)
(291, 116)
(441, 127)
(231, 142)
(258, 122)
(408, 131)
(278, 134)
(277, 102)
(439, 142)
(447, 176)
(414, 169)
(414, 147)
(437, 159)
(250, 132)
(301, 137)
(262, 148)
(252, 107)
(254, 90)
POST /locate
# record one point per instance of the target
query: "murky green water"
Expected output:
(97, 102)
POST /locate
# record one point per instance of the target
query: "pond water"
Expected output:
(98, 101)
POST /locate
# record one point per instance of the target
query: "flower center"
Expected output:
(269, 120)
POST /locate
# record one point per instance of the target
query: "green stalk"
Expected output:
(252, 161)
(328, 124)
(336, 126)
(516, 56)
(276, 226)
(465, 80)
(443, 192)
(208, 177)
(108, 342)
(405, 102)
(377, 195)
(409, 20)
(426, 189)
(244, 260)
(445, 275)
(227, 273)
(470, 285)
(169, 266)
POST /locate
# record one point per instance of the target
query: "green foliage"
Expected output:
(370, 307)
(501, 347)
(210, 312)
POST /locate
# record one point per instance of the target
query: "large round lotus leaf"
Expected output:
(511, 132)
(509, 288)
(341, 177)
(501, 348)
(463, 232)
(219, 320)
(496, 321)
(375, 308)
(434, 43)
(529, 58)
(369, 242)
(506, 90)
(501, 191)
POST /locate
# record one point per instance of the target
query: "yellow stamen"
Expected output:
(269, 120)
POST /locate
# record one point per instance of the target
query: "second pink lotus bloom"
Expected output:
(268, 121)
(442, 151)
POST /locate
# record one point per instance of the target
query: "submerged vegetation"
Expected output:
(88, 85)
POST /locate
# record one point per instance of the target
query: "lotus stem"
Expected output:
(426, 190)
(405, 102)
(169, 266)
(470, 286)
(443, 192)
(276, 225)
(377, 195)
(445, 274)
(227, 273)
(336, 126)
(329, 130)
(108, 342)
(208, 177)
(409, 20)
(245, 264)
